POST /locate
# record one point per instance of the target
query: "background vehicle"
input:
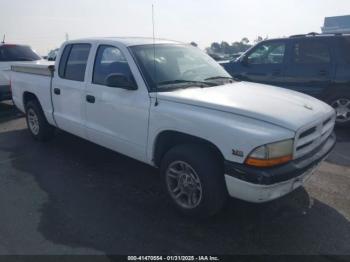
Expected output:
(52, 55)
(10, 54)
(318, 65)
(177, 109)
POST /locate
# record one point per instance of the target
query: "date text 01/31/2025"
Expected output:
(173, 258)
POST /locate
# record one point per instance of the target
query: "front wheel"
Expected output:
(341, 104)
(194, 180)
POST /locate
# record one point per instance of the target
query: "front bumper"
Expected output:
(5, 92)
(266, 184)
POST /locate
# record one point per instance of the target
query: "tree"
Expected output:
(258, 39)
(243, 45)
(225, 47)
(194, 44)
(245, 41)
(215, 47)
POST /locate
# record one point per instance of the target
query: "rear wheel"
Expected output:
(37, 124)
(194, 180)
(341, 104)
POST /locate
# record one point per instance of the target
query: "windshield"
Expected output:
(178, 66)
(13, 53)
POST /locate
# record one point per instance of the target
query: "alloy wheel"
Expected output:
(184, 185)
(342, 107)
(33, 122)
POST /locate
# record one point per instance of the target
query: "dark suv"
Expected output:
(318, 65)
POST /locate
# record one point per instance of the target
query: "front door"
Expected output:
(265, 63)
(117, 118)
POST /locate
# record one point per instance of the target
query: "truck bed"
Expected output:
(34, 79)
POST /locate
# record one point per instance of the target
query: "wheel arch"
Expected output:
(167, 139)
(29, 96)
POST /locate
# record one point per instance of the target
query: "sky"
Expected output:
(43, 24)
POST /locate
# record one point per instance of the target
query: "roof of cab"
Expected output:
(127, 41)
(308, 36)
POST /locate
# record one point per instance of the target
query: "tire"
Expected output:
(341, 103)
(200, 191)
(37, 124)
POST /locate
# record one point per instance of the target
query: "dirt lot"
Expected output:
(69, 196)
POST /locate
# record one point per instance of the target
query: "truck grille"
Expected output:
(313, 135)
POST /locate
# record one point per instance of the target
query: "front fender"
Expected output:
(226, 131)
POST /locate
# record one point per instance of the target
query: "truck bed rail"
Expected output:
(44, 69)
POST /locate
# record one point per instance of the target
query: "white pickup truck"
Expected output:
(171, 106)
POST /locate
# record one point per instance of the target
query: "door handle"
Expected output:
(90, 99)
(57, 91)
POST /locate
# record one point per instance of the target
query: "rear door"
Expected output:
(310, 68)
(265, 63)
(69, 87)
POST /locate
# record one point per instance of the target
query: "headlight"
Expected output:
(272, 154)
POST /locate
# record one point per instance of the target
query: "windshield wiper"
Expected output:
(182, 81)
(219, 77)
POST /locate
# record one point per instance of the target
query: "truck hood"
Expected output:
(271, 104)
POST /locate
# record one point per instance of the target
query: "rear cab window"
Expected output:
(17, 53)
(73, 62)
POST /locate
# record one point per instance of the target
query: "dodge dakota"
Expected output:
(171, 106)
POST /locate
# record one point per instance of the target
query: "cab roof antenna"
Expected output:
(154, 59)
(3, 39)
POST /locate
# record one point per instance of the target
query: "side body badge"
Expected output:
(238, 153)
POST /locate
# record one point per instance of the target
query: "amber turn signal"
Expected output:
(268, 162)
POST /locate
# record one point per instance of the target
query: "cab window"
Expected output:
(74, 61)
(109, 60)
(267, 53)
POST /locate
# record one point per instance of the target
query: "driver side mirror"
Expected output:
(120, 81)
